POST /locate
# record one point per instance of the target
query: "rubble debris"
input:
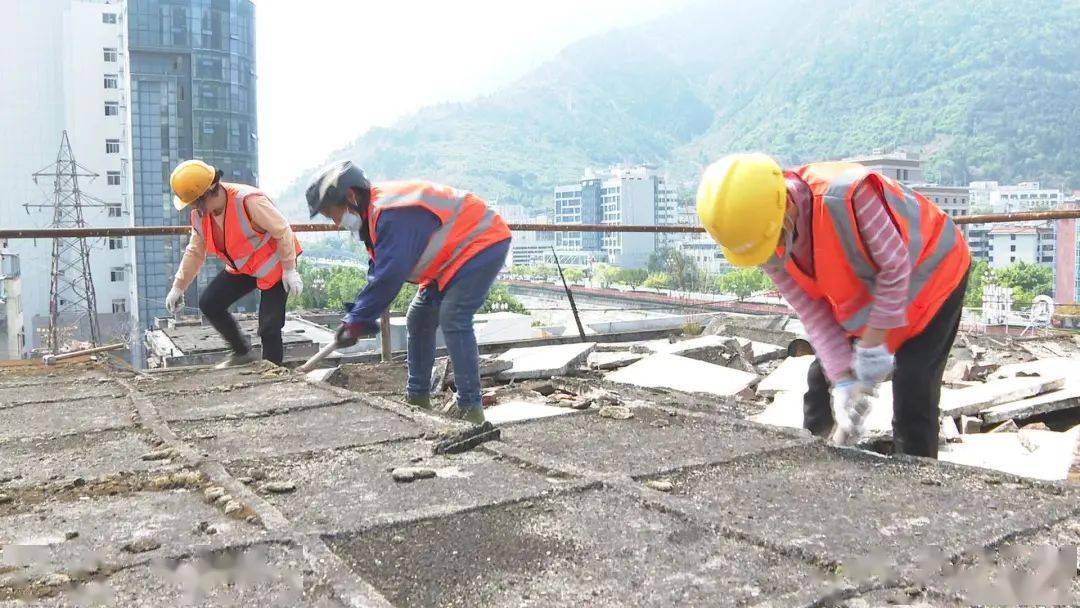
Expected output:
(969, 425)
(181, 479)
(660, 485)
(279, 487)
(322, 375)
(613, 360)
(164, 454)
(683, 374)
(1008, 426)
(233, 506)
(518, 410)
(544, 361)
(791, 375)
(463, 441)
(1038, 454)
(973, 399)
(440, 372)
(1054, 401)
(410, 474)
(616, 412)
(213, 493)
(56, 579)
(6, 499)
(143, 544)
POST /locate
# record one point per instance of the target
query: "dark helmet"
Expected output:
(330, 185)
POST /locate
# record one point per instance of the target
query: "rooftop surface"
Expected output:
(257, 487)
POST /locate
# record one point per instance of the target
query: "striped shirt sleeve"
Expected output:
(830, 341)
(885, 247)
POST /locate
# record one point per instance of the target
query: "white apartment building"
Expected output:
(626, 196)
(706, 254)
(1026, 196)
(1012, 243)
(65, 69)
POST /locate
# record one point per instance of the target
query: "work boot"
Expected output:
(236, 360)
(474, 415)
(421, 401)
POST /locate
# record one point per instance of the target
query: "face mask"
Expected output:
(351, 222)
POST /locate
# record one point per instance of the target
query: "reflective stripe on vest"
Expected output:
(457, 210)
(938, 256)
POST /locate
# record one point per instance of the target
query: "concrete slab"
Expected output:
(240, 401)
(52, 391)
(518, 410)
(651, 441)
(1031, 453)
(873, 515)
(207, 378)
(352, 488)
(89, 455)
(790, 376)
(1055, 401)
(270, 575)
(104, 525)
(544, 361)
(321, 375)
(613, 360)
(596, 548)
(706, 348)
(63, 417)
(973, 399)
(320, 428)
(1055, 367)
(763, 352)
(683, 374)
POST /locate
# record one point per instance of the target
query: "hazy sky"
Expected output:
(330, 69)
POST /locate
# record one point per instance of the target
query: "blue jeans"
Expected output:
(452, 310)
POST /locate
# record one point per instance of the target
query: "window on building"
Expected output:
(110, 55)
(112, 146)
(119, 305)
(112, 81)
(1012, 248)
(1012, 258)
(1012, 237)
(108, 17)
(112, 108)
(115, 211)
(116, 242)
(113, 178)
(116, 275)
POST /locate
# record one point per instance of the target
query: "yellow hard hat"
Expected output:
(741, 203)
(190, 180)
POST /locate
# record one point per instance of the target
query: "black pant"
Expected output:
(920, 364)
(224, 291)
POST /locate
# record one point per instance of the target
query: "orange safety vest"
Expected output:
(468, 227)
(246, 250)
(844, 272)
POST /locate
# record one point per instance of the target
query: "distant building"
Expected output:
(627, 196)
(706, 254)
(193, 96)
(904, 167)
(12, 330)
(954, 200)
(66, 68)
(1026, 196)
(1013, 243)
(1067, 265)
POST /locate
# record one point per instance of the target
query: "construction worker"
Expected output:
(875, 271)
(241, 226)
(446, 241)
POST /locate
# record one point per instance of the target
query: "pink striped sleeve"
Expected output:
(887, 249)
(830, 341)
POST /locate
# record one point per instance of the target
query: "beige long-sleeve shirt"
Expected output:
(264, 216)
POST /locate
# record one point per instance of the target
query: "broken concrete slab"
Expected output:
(868, 510)
(86, 455)
(683, 374)
(594, 548)
(1054, 401)
(517, 410)
(762, 352)
(52, 391)
(243, 401)
(1056, 367)
(64, 417)
(613, 360)
(329, 427)
(1031, 453)
(653, 441)
(974, 399)
(322, 375)
(790, 376)
(352, 488)
(544, 361)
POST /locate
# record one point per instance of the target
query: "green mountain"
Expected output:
(984, 89)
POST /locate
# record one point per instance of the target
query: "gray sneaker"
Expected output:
(236, 360)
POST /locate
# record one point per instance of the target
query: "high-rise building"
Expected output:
(627, 196)
(66, 69)
(193, 96)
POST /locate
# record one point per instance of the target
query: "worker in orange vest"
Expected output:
(876, 272)
(446, 241)
(241, 226)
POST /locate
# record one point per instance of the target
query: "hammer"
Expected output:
(319, 356)
(52, 359)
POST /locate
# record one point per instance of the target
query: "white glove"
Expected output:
(292, 281)
(873, 365)
(174, 302)
(850, 404)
